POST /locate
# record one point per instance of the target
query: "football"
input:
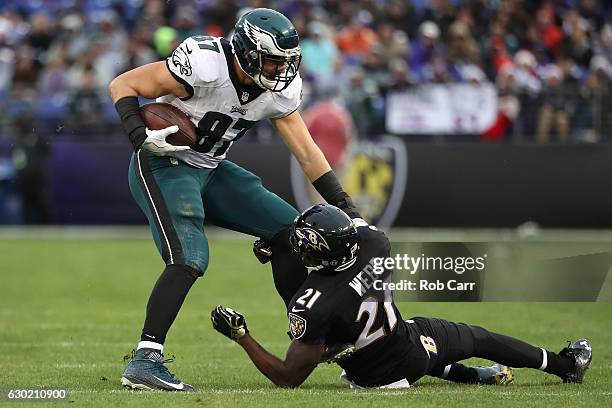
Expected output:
(160, 115)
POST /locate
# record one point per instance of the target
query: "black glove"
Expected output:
(262, 250)
(346, 204)
(228, 322)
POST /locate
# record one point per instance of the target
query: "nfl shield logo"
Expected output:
(373, 174)
(244, 97)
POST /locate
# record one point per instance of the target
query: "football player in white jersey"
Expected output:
(225, 87)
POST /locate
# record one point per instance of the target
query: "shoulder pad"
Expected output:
(288, 100)
(197, 61)
(360, 222)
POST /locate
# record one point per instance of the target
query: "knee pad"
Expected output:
(196, 255)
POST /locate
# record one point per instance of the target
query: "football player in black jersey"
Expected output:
(332, 316)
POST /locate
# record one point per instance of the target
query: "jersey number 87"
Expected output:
(211, 129)
(213, 125)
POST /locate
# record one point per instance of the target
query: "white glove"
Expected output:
(156, 141)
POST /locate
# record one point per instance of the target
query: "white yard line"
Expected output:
(420, 390)
(395, 234)
(108, 344)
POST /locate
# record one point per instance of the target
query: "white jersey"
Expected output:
(220, 107)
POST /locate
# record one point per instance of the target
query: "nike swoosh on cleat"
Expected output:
(178, 387)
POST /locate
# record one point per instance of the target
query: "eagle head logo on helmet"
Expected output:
(266, 38)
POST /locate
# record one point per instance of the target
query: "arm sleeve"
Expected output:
(330, 189)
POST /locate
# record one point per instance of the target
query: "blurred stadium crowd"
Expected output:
(551, 61)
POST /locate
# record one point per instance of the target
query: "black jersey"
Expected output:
(345, 308)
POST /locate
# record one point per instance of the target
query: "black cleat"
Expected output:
(581, 353)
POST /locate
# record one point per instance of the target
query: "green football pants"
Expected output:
(176, 198)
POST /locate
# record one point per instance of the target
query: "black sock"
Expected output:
(165, 301)
(505, 350)
(287, 269)
(558, 365)
(516, 353)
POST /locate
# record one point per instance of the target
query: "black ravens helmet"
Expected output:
(325, 238)
(266, 45)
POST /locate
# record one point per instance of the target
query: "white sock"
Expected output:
(151, 345)
(544, 360)
(446, 371)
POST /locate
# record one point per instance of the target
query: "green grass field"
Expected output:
(71, 309)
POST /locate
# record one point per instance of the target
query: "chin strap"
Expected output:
(346, 265)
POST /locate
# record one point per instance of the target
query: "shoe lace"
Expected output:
(567, 351)
(129, 356)
(570, 353)
(161, 365)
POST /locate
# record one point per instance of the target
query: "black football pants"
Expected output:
(446, 343)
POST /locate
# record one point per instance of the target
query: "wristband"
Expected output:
(330, 189)
(129, 112)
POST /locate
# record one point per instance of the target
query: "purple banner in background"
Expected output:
(90, 184)
(446, 185)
